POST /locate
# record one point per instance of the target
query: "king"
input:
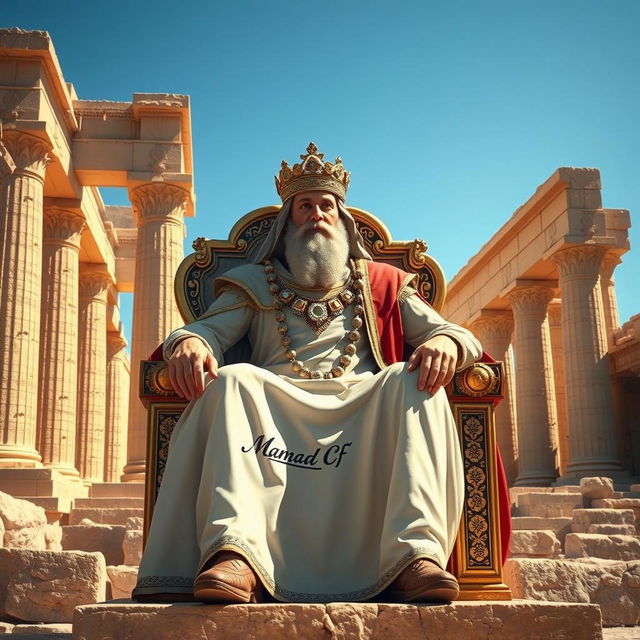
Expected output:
(377, 512)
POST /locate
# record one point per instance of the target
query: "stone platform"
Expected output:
(506, 620)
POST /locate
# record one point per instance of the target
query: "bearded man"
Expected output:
(326, 468)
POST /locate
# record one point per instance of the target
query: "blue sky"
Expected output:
(448, 114)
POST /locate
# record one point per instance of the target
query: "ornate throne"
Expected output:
(477, 557)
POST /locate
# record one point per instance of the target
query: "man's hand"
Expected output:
(436, 359)
(188, 364)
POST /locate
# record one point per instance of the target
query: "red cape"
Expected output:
(385, 284)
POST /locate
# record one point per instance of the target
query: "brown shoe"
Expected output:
(424, 581)
(227, 578)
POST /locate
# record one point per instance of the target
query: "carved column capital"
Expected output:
(531, 300)
(159, 201)
(494, 326)
(609, 262)
(62, 226)
(29, 153)
(115, 344)
(93, 282)
(581, 260)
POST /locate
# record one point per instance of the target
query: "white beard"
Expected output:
(317, 258)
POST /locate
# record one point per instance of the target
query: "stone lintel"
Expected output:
(503, 619)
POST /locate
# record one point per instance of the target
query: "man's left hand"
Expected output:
(436, 361)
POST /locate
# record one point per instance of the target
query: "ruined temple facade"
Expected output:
(66, 402)
(539, 294)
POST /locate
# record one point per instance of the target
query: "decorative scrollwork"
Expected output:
(202, 255)
(476, 488)
(166, 424)
(418, 253)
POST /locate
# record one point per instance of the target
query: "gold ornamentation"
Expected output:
(479, 380)
(318, 314)
(157, 380)
(202, 255)
(418, 254)
(312, 174)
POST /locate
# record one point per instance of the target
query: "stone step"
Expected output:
(532, 523)
(40, 482)
(546, 510)
(117, 490)
(571, 499)
(616, 503)
(584, 518)
(357, 621)
(105, 515)
(609, 547)
(609, 584)
(55, 508)
(108, 539)
(613, 529)
(535, 544)
(37, 631)
(514, 492)
(103, 503)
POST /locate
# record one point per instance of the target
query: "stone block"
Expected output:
(534, 543)
(24, 523)
(338, 621)
(53, 631)
(597, 487)
(612, 529)
(547, 510)
(104, 515)
(105, 538)
(132, 547)
(40, 482)
(584, 518)
(109, 503)
(615, 586)
(560, 526)
(609, 547)
(134, 523)
(53, 537)
(123, 580)
(46, 586)
(117, 490)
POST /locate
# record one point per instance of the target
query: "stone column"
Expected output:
(92, 367)
(592, 441)
(59, 340)
(159, 210)
(535, 401)
(555, 333)
(610, 304)
(21, 200)
(115, 450)
(494, 330)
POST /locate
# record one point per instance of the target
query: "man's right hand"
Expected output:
(188, 364)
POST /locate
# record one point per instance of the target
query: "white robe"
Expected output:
(328, 488)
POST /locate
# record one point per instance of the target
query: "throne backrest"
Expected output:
(195, 276)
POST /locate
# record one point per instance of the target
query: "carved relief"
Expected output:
(531, 300)
(28, 152)
(158, 157)
(498, 326)
(159, 201)
(62, 225)
(94, 284)
(581, 260)
(10, 109)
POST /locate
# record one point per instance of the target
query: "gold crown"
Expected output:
(312, 174)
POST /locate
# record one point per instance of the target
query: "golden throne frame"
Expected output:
(473, 393)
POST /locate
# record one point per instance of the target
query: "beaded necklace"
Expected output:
(318, 314)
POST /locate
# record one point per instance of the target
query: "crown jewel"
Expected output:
(312, 174)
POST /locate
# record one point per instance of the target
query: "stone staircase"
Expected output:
(578, 544)
(573, 548)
